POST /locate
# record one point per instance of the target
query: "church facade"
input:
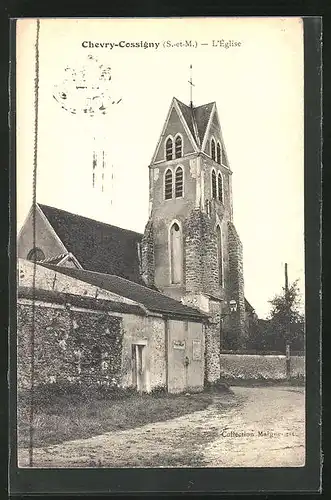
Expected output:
(191, 250)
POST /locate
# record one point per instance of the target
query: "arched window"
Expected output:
(220, 187)
(219, 155)
(169, 149)
(213, 184)
(179, 182)
(36, 254)
(212, 149)
(178, 147)
(168, 184)
(219, 255)
(176, 254)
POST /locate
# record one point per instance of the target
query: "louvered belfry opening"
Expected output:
(169, 149)
(219, 156)
(178, 147)
(212, 149)
(179, 183)
(168, 184)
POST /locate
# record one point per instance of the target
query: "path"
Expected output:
(260, 427)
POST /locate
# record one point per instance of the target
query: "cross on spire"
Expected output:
(191, 86)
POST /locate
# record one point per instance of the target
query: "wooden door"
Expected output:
(195, 354)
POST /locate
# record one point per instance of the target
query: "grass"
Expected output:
(67, 417)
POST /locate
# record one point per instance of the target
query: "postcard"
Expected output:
(160, 243)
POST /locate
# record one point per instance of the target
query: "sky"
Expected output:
(258, 89)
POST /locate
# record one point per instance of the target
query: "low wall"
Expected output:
(260, 366)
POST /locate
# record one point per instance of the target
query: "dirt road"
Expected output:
(257, 427)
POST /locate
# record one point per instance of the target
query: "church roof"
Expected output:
(188, 116)
(249, 307)
(151, 299)
(98, 246)
(79, 301)
(200, 115)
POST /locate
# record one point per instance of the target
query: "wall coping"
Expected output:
(252, 352)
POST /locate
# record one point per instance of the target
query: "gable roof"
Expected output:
(98, 246)
(249, 307)
(194, 119)
(151, 299)
(188, 117)
(197, 119)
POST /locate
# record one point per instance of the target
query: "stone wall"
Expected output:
(147, 254)
(236, 334)
(201, 263)
(211, 284)
(193, 258)
(259, 367)
(70, 345)
(212, 342)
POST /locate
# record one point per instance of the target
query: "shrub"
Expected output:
(219, 385)
(159, 391)
(75, 392)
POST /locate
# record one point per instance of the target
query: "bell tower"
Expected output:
(191, 250)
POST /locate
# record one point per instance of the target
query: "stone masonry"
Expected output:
(71, 346)
(147, 254)
(236, 335)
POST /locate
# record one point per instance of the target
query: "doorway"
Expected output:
(139, 366)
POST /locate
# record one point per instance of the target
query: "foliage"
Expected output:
(285, 318)
(285, 306)
(285, 323)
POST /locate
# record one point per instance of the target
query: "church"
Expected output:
(191, 250)
(188, 261)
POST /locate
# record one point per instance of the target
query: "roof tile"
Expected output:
(151, 299)
(200, 115)
(97, 246)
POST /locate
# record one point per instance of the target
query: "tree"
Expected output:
(286, 321)
(259, 335)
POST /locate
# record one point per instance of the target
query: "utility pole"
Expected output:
(34, 204)
(287, 326)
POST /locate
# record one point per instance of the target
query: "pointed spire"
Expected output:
(191, 87)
